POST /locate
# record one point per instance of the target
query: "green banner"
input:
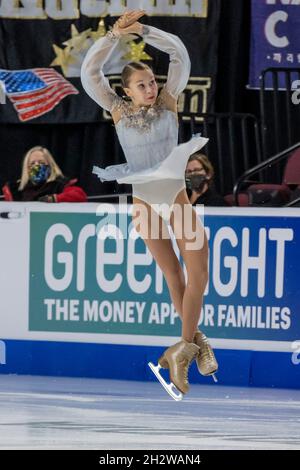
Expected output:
(83, 282)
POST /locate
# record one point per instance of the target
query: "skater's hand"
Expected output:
(128, 24)
(129, 17)
(135, 28)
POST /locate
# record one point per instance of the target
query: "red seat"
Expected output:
(291, 177)
(282, 191)
(243, 199)
(292, 169)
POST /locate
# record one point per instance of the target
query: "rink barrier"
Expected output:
(121, 362)
(2, 353)
(73, 304)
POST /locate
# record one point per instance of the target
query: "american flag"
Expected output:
(36, 91)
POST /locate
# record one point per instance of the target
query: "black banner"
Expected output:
(42, 49)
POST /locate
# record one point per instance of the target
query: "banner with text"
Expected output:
(109, 284)
(275, 38)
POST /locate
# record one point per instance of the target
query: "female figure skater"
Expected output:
(147, 127)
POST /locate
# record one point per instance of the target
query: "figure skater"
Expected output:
(147, 127)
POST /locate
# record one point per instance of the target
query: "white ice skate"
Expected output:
(170, 388)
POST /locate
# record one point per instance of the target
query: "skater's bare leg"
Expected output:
(162, 251)
(195, 260)
(178, 357)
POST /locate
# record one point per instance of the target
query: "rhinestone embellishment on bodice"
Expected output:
(142, 118)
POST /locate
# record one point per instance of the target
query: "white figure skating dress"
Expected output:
(149, 137)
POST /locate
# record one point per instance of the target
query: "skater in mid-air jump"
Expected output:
(147, 127)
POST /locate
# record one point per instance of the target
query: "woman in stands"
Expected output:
(200, 182)
(42, 180)
(147, 126)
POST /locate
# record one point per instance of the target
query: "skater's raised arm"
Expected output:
(180, 64)
(92, 77)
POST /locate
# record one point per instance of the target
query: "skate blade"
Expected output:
(168, 387)
(213, 375)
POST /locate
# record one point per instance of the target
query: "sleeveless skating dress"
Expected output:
(149, 137)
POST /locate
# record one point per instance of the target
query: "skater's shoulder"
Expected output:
(120, 107)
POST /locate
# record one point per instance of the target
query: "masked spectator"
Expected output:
(199, 182)
(42, 180)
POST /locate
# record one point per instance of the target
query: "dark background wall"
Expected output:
(76, 147)
(234, 58)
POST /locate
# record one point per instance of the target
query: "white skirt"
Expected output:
(159, 185)
(171, 167)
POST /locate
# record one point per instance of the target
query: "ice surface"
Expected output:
(73, 413)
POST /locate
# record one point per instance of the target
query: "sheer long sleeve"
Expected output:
(180, 64)
(92, 77)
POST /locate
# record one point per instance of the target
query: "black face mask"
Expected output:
(196, 182)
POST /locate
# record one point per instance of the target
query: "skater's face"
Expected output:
(142, 88)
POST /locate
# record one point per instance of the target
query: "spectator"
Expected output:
(199, 180)
(42, 180)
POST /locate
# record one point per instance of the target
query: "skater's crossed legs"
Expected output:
(161, 249)
(192, 242)
(187, 299)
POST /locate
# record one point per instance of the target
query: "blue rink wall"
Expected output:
(236, 367)
(81, 296)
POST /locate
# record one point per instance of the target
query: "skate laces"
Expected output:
(187, 360)
(208, 353)
(205, 349)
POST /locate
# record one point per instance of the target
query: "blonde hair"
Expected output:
(129, 69)
(55, 170)
(201, 158)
